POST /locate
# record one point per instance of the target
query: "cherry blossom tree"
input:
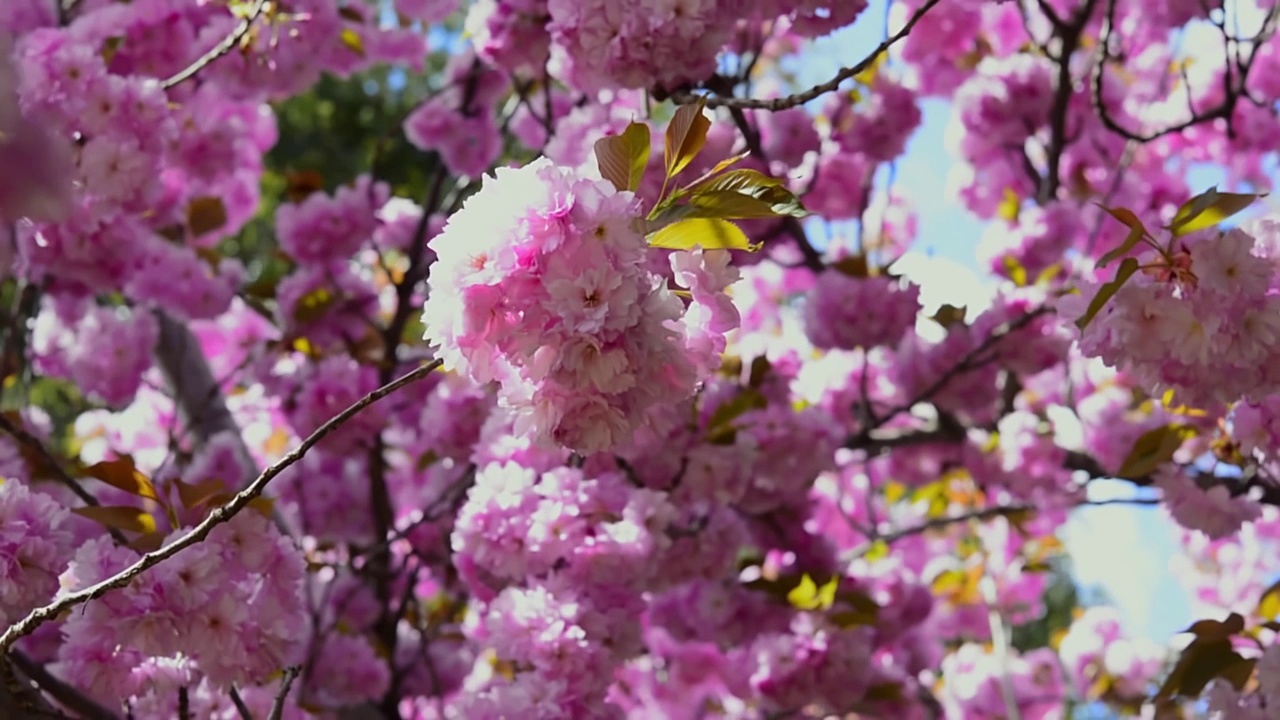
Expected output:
(427, 359)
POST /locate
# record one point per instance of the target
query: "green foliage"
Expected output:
(1061, 599)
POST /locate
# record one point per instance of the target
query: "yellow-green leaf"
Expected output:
(119, 517)
(352, 41)
(1136, 232)
(313, 305)
(206, 214)
(686, 136)
(1153, 449)
(1127, 268)
(1017, 273)
(622, 158)
(1010, 205)
(809, 596)
(1269, 603)
(121, 473)
(707, 233)
(1208, 209)
(879, 550)
(868, 76)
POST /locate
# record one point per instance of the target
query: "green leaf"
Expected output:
(206, 214)
(1208, 209)
(1153, 449)
(809, 596)
(721, 421)
(727, 205)
(123, 474)
(1127, 268)
(707, 233)
(119, 517)
(743, 180)
(686, 136)
(769, 190)
(622, 158)
(1136, 232)
(352, 41)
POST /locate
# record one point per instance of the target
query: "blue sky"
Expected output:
(1122, 551)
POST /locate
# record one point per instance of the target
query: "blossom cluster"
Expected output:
(542, 287)
(810, 480)
(1212, 313)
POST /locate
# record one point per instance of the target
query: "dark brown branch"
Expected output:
(35, 446)
(1070, 35)
(792, 226)
(218, 516)
(715, 100)
(972, 360)
(66, 695)
(241, 708)
(1236, 76)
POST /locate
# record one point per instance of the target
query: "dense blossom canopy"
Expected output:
(431, 359)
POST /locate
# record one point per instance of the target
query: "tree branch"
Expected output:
(277, 707)
(1233, 90)
(218, 516)
(812, 259)
(33, 443)
(1070, 35)
(222, 48)
(714, 100)
(66, 695)
(197, 393)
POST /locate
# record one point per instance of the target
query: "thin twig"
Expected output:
(776, 104)
(222, 48)
(33, 443)
(245, 713)
(184, 703)
(277, 707)
(220, 515)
